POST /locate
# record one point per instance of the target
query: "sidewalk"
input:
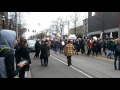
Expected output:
(103, 56)
(28, 74)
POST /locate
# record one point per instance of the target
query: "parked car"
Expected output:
(31, 45)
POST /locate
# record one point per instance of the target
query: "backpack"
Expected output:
(118, 48)
(3, 51)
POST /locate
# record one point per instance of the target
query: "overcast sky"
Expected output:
(42, 20)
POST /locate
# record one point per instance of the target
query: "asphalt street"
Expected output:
(55, 69)
(82, 67)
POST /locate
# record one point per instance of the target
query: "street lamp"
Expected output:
(3, 19)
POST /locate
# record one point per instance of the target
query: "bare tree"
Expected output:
(58, 25)
(76, 20)
(61, 24)
(12, 23)
(46, 31)
(55, 25)
(40, 35)
(52, 28)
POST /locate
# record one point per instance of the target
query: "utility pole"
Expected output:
(16, 26)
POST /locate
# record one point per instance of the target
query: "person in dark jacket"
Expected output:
(60, 46)
(24, 54)
(110, 46)
(56, 44)
(42, 52)
(82, 43)
(46, 52)
(77, 47)
(117, 55)
(7, 38)
(95, 47)
(37, 49)
(99, 46)
(105, 46)
(16, 47)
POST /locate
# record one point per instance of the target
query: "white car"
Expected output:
(31, 45)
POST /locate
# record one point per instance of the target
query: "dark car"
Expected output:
(31, 45)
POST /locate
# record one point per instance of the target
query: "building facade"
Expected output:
(104, 22)
(85, 26)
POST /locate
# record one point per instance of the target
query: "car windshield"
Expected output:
(31, 42)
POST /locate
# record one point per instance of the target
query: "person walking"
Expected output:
(68, 51)
(105, 46)
(110, 46)
(37, 49)
(77, 46)
(99, 46)
(95, 48)
(117, 55)
(42, 52)
(46, 50)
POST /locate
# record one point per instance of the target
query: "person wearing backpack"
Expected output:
(117, 55)
(7, 57)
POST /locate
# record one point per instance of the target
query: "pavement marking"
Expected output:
(105, 58)
(72, 67)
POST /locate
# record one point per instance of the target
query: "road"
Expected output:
(82, 67)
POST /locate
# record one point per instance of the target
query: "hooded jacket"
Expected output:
(7, 38)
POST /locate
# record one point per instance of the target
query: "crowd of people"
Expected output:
(95, 46)
(15, 55)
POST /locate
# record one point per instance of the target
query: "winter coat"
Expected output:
(46, 50)
(42, 51)
(7, 37)
(37, 46)
(77, 46)
(111, 45)
(95, 46)
(24, 53)
(69, 50)
(116, 52)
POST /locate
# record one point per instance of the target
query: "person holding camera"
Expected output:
(24, 56)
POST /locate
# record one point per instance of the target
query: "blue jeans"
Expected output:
(110, 53)
(55, 49)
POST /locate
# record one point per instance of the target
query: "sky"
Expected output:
(42, 20)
